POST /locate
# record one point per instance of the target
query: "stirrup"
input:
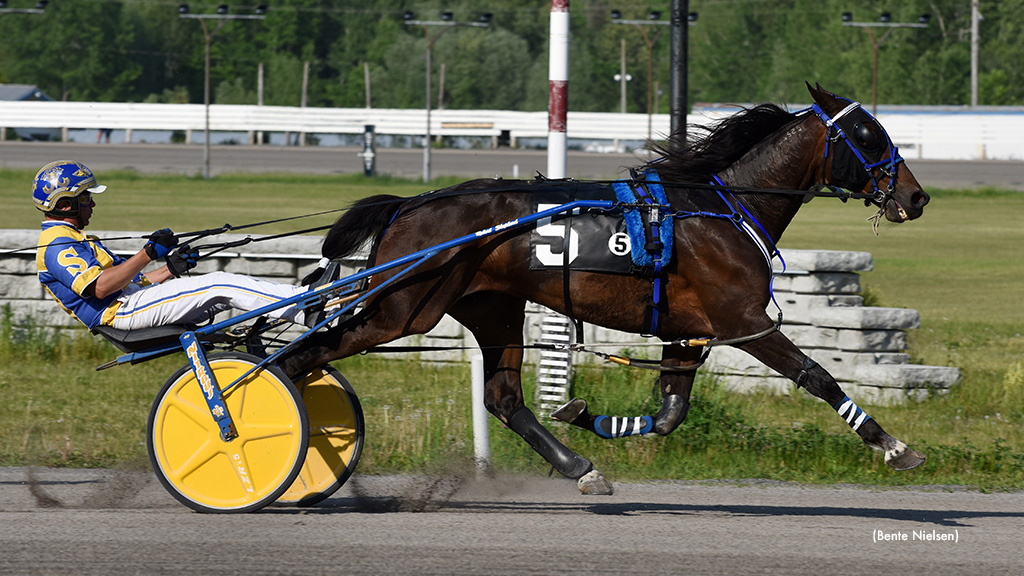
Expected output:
(331, 274)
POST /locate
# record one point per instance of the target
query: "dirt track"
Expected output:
(105, 522)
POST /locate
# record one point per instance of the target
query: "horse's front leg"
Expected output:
(676, 384)
(777, 352)
(496, 321)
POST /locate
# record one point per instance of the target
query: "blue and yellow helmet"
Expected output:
(62, 179)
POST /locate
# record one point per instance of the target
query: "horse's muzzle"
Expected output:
(895, 211)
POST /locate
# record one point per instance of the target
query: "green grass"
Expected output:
(961, 261)
(960, 266)
(147, 202)
(58, 411)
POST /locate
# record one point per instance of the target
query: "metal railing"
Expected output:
(920, 132)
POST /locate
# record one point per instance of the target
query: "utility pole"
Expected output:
(885, 21)
(446, 23)
(680, 41)
(222, 15)
(975, 17)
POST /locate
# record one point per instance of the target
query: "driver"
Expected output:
(97, 287)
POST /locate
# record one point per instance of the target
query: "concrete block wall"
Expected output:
(863, 347)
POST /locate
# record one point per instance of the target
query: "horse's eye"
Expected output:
(865, 137)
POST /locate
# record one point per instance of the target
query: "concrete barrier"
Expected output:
(863, 347)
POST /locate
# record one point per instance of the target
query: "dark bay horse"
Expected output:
(715, 285)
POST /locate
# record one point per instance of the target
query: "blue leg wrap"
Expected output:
(852, 413)
(620, 427)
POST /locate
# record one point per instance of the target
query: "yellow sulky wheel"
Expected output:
(335, 437)
(210, 475)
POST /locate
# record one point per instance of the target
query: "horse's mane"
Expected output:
(713, 148)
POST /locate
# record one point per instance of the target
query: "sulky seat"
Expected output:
(136, 340)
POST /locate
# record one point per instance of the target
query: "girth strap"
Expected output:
(649, 194)
(566, 272)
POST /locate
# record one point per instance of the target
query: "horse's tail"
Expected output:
(366, 219)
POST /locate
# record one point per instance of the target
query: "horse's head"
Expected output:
(860, 157)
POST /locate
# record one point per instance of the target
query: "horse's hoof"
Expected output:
(570, 411)
(673, 411)
(593, 482)
(903, 458)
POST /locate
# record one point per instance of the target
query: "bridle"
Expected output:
(849, 125)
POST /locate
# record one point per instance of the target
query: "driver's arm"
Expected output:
(117, 277)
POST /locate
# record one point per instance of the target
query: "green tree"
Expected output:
(72, 51)
(1002, 33)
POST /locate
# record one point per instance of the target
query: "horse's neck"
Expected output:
(785, 161)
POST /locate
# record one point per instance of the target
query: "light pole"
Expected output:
(975, 18)
(622, 78)
(39, 9)
(222, 15)
(446, 23)
(653, 19)
(679, 55)
(885, 21)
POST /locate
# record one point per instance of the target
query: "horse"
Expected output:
(714, 284)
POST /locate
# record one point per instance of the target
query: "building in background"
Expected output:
(26, 92)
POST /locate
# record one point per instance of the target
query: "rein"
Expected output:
(220, 247)
(195, 235)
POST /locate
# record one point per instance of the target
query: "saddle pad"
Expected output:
(628, 192)
(597, 242)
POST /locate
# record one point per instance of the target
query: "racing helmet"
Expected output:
(63, 179)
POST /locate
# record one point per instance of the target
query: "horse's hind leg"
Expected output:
(779, 353)
(496, 321)
(675, 389)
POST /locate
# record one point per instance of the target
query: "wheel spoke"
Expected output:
(264, 431)
(203, 454)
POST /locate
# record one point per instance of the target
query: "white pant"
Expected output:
(196, 299)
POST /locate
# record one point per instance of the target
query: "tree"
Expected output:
(73, 51)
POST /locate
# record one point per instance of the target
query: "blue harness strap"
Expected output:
(656, 240)
(648, 191)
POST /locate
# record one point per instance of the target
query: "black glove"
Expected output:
(182, 260)
(160, 244)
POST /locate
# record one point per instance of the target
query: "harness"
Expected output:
(643, 203)
(652, 212)
(849, 125)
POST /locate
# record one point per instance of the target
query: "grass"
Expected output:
(961, 261)
(145, 202)
(959, 266)
(59, 412)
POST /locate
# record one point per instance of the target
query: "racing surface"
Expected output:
(408, 163)
(106, 522)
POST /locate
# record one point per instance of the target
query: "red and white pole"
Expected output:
(558, 88)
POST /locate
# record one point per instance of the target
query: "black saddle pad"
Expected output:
(597, 242)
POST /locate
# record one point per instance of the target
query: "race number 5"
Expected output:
(551, 230)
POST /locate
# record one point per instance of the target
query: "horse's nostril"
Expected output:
(920, 198)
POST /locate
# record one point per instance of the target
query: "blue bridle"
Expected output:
(850, 126)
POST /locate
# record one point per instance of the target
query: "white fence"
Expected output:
(921, 132)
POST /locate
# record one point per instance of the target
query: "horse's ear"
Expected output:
(821, 96)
